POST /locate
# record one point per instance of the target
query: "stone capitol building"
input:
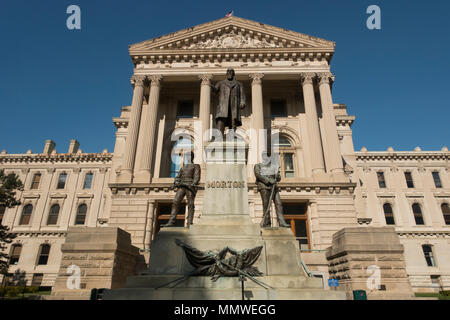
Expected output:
(349, 210)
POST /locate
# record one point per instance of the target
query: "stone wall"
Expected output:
(358, 254)
(104, 256)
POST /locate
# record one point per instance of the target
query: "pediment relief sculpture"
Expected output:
(232, 40)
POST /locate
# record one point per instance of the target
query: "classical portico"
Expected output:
(263, 57)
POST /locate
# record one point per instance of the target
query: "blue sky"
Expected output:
(60, 84)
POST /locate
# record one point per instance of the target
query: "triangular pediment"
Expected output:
(231, 33)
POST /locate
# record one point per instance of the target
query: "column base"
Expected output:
(142, 177)
(126, 176)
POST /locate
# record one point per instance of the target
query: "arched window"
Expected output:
(14, 257)
(2, 212)
(417, 211)
(286, 151)
(81, 214)
(53, 214)
(180, 152)
(44, 252)
(26, 214)
(446, 212)
(388, 214)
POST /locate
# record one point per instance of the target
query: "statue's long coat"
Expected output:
(230, 93)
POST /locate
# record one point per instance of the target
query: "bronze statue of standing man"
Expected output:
(267, 175)
(231, 102)
(187, 183)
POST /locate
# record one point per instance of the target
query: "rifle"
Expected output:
(267, 212)
(192, 187)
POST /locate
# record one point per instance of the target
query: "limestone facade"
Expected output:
(326, 185)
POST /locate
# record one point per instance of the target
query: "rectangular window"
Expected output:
(2, 213)
(62, 181)
(435, 281)
(437, 179)
(88, 180)
(185, 109)
(289, 165)
(428, 253)
(381, 180)
(409, 179)
(164, 210)
(278, 108)
(296, 215)
(37, 279)
(36, 180)
(43, 256)
(15, 254)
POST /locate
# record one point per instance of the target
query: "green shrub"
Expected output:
(13, 291)
(32, 289)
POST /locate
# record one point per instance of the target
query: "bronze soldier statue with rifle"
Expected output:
(187, 183)
(267, 175)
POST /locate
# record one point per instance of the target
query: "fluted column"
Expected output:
(333, 158)
(133, 129)
(149, 229)
(205, 103)
(145, 175)
(257, 114)
(312, 120)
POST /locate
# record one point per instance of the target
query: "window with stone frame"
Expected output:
(296, 214)
(53, 215)
(286, 155)
(61, 181)
(418, 215)
(388, 214)
(25, 218)
(37, 279)
(44, 252)
(409, 179)
(80, 218)
(14, 256)
(437, 179)
(185, 109)
(2, 212)
(35, 181)
(163, 214)
(428, 254)
(278, 108)
(381, 179)
(88, 180)
(446, 212)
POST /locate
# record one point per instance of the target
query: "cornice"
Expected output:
(345, 120)
(313, 187)
(402, 155)
(55, 158)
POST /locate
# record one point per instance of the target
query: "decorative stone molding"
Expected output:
(307, 77)
(58, 195)
(256, 78)
(56, 158)
(138, 80)
(155, 80)
(402, 155)
(364, 221)
(205, 78)
(325, 77)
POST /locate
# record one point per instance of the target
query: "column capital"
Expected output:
(307, 77)
(325, 77)
(256, 77)
(206, 78)
(138, 80)
(155, 80)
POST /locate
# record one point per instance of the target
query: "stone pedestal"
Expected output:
(224, 222)
(101, 257)
(358, 254)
